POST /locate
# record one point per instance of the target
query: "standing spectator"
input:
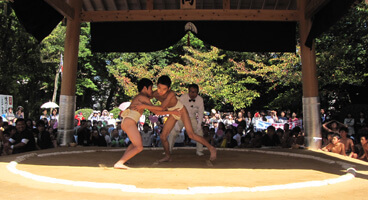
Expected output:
(283, 118)
(105, 116)
(257, 117)
(94, 117)
(206, 120)
(43, 137)
(79, 117)
(323, 116)
(360, 123)
(54, 115)
(293, 117)
(240, 120)
(332, 126)
(45, 115)
(19, 114)
(10, 116)
(22, 141)
(349, 122)
(248, 121)
(112, 120)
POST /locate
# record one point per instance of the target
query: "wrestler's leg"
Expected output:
(188, 127)
(130, 127)
(168, 126)
(174, 134)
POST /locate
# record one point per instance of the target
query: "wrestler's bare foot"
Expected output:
(213, 154)
(120, 165)
(165, 159)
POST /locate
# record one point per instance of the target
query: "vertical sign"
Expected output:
(6, 101)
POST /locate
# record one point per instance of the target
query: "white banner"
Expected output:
(262, 125)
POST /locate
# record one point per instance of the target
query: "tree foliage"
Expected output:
(227, 79)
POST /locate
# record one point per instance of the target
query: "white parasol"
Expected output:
(49, 105)
(124, 106)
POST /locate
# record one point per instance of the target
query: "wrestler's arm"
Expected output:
(145, 103)
(327, 148)
(343, 149)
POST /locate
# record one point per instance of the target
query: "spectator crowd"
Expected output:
(222, 130)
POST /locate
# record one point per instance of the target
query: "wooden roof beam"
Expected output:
(192, 15)
(62, 7)
(313, 7)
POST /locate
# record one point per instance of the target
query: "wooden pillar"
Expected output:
(69, 78)
(311, 104)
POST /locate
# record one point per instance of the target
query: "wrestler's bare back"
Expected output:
(139, 100)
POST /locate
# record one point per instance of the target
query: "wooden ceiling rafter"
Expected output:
(193, 15)
(154, 10)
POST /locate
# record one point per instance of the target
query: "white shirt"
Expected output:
(194, 107)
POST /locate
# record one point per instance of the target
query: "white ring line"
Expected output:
(190, 190)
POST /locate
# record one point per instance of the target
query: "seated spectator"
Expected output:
(53, 135)
(228, 141)
(335, 146)
(147, 136)
(106, 135)
(220, 133)
(349, 144)
(22, 141)
(239, 134)
(299, 141)
(84, 134)
(256, 141)
(362, 152)
(328, 139)
(207, 135)
(43, 138)
(116, 140)
(270, 138)
(97, 139)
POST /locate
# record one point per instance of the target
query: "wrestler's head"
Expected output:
(336, 138)
(163, 85)
(363, 139)
(145, 85)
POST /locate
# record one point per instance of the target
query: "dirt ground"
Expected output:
(233, 169)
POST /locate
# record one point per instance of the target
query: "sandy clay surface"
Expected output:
(87, 173)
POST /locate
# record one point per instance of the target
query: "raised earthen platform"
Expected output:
(87, 173)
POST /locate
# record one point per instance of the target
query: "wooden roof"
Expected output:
(170, 10)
